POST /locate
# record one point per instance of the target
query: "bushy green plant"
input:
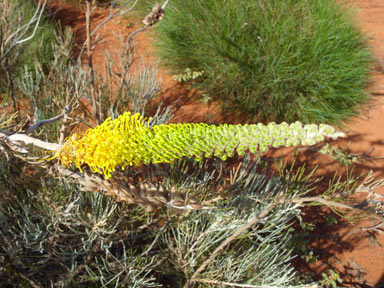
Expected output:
(282, 60)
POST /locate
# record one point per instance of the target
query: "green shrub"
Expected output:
(275, 60)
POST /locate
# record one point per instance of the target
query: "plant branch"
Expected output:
(40, 123)
(373, 227)
(141, 256)
(330, 203)
(230, 239)
(152, 18)
(164, 5)
(88, 43)
(136, 32)
(153, 242)
(118, 12)
(16, 138)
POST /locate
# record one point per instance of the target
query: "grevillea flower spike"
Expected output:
(129, 140)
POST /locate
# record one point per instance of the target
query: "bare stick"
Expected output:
(323, 201)
(120, 11)
(40, 123)
(88, 30)
(374, 228)
(165, 4)
(112, 14)
(153, 242)
(16, 38)
(44, 122)
(151, 19)
(135, 32)
(16, 138)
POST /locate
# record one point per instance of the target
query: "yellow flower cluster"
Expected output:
(128, 140)
(111, 144)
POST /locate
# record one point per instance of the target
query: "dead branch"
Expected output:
(281, 200)
(88, 44)
(40, 123)
(361, 207)
(120, 11)
(30, 281)
(375, 228)
(147, 195)
(18, 141)
(151, 19)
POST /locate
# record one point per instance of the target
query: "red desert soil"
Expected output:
(356, 254)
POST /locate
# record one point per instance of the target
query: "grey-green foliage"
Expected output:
(52, 233)
(68, 83)
(260, 256)
(48, 93)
